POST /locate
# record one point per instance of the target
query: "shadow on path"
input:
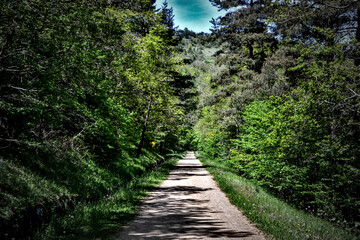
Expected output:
(179, 209)
(182, 216)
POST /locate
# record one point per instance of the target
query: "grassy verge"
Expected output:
(101, 219)
(272, 215)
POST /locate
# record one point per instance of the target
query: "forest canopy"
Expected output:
(95, 92)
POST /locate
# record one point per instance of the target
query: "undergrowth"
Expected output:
(102, 218)
(272, 215)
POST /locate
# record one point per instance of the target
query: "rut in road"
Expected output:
(189, 205)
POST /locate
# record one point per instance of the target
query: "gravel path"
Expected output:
(189, 205)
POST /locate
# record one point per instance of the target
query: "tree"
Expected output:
(247, 43)
(167, 17)
(151, 81)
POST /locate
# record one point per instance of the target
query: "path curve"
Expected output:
(189, 205)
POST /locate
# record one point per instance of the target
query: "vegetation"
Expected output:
(101, 219)
(284, 108)
(87, 105)
(271, 214)
(94, 93)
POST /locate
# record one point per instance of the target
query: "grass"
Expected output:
(103, 218)
(272, 215)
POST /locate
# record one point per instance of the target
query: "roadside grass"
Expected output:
(271, 215)
(103, 218)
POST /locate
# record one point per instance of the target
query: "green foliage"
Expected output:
(76, 79)
(301, 145)
(275, 217)
(283, 110)
(102, 218)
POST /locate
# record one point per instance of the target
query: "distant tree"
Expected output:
(215, 25)
(167, 17)
(134, 5)
(187, 33)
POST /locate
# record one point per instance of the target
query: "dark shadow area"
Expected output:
(182, 175)
(188, 174)
(183, 189)
(186, 171)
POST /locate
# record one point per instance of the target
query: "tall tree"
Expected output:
(167, 17)
(298, 20)
(248, 40)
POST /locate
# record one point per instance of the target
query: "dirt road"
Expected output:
(189, 205)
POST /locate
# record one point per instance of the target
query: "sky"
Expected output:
(193, 14)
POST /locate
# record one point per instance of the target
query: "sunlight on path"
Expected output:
(189, 205)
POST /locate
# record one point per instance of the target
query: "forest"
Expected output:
(96, 93)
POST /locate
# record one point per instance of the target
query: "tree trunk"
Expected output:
(144, 130)
(251, 51)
